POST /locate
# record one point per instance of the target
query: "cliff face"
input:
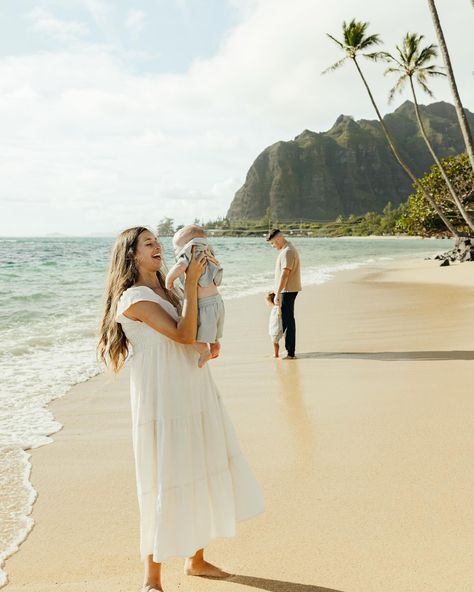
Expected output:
(346, 170)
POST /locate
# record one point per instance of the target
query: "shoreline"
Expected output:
(225, 235)
(404, 273)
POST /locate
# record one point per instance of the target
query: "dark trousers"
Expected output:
(288, 320)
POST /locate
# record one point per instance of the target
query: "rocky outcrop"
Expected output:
(347, 170)
(462, 251)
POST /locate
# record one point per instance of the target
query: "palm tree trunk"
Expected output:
(466, 132)
(402, 163)
(455, 197)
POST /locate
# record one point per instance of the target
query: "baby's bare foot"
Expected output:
(204, 358)
(204, 569)
(215, 349)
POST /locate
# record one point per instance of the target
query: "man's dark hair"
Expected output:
(273, 232)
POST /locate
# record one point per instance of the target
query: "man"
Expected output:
(287, 286)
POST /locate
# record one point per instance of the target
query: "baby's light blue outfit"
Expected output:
(211, 310)
(212, 274)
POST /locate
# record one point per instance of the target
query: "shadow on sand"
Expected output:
(275, 585)
(409, 356)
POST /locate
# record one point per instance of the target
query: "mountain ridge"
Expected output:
(348, 169)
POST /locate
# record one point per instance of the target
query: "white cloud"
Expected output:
(135, 21)
(101, 147)
(45, 22)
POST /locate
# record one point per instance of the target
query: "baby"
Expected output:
(275, 327)
(210, 304)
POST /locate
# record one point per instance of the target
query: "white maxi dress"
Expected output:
(193, 482)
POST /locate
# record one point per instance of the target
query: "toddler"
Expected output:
(210, 304)
(275, 326)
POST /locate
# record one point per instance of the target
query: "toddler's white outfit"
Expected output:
(275, 325)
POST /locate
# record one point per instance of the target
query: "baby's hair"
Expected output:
(271, 297)
(191, 230)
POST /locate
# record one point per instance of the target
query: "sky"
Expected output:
(115, 114)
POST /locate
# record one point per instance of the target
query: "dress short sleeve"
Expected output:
(129, 297)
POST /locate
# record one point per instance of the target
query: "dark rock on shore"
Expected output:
(462, 251)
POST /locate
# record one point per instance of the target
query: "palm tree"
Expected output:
(466, 132)
(412, 62)
(354, 42)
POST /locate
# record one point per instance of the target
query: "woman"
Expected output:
(193, 482)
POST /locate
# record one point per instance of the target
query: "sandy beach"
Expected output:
(363, 448)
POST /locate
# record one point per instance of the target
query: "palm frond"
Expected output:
(386, 56)
(432, 71)
(406, 48)
(341, 45)
(391, 58)
(402, 55)
(335, 66)
(354, 40)
(394, 70)
(369, 41)
(427, 90)
(354, 32)
(398, 87)
(374, 56)
(426, 54)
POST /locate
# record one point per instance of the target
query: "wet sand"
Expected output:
(363, 448)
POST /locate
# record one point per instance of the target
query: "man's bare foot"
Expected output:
(203, 568)
(204, 358)
(289, 358)
(215, 349)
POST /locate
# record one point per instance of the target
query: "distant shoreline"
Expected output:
(248, 235)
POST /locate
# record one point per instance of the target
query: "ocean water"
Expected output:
(50, 304)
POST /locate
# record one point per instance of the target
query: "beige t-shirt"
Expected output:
(288, 258)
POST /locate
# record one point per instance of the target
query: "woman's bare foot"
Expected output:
(204, 569)
(198, 566)
(152, 588)
(204, 358)
(215, 349)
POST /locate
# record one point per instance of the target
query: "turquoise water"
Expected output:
(50, 303)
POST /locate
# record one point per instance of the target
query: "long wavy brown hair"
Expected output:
(113, 348)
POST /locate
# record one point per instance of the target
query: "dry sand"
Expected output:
(363, 448)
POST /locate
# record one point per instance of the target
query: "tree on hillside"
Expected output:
(418, 217)
(355, 41)
(412, 61)
(463, 123)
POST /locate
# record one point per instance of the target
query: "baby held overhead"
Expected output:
(210, 304)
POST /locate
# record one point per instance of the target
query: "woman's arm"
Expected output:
(151, 313)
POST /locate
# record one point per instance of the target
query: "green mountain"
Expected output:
(346, 170)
